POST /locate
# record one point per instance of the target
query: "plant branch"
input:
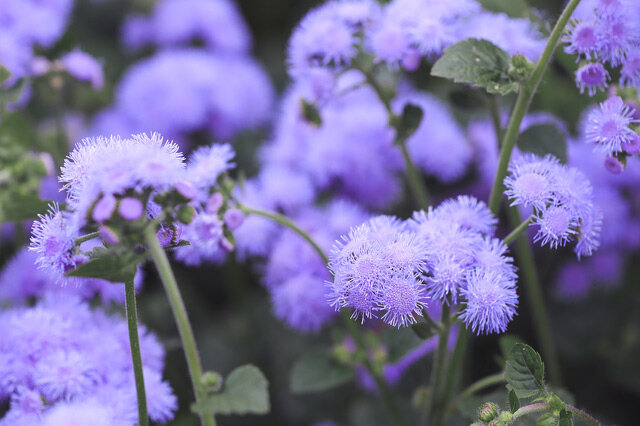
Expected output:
(543, 406)
(527, 92)
(180, 315)
(136, 357)
(517, 230)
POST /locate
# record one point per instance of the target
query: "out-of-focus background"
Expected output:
(598, 336)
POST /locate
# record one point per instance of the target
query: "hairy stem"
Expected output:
(285, 221)
(527, 91)
(86, 237)
(531, 281)
(136, 357)
(453, 373)
(544, 406)
(517, 231)
(180, 315)
(439, 365)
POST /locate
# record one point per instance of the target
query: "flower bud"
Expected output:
(186, 214)
(108, 235)
(211, 381)
(233, 218)
(614, 165)
(214, 203)
(130, 208)
(488, 411)
(103, 209)
(185, 189)
(632, 146)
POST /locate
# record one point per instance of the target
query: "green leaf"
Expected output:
(514, 402)
(17, 207)
(565, 418)
(524, 371)
(245, 391)
(408, 122)
(317, 371)
(547, 419)
(543, 139)
(479, 63)
(4, 73)
(506, 343)
(116, 264)
(513, 8)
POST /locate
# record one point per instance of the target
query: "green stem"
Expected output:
(481, 384)
(416, 183)
(439, 364)
(285, 221)
(531, 282)
(517, 230)
(180, 314)
(527, 91)
(136, 357)
(453, 373)
(86, 237)
(544, 406)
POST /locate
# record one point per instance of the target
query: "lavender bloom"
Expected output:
(562, 201)
(630, 71)
(216, 23)
(180, 91)
(609, 127)
(581, 39)
(593, 77)
(491, 302)
(49, 353)
(205, 166)
(205, 235)
(84, 67)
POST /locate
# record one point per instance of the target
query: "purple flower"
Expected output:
(491, 302)
(469, 213)
(84, 67)
(609, 127)
(206, 164)
(530, 181)
(301, 302)
(630, 71)
(581, 39)
(593, 77)
(205, 234)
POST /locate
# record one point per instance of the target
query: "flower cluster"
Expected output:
(52, 373)
(605, 32)
(400, 33)
(118, 187)
(447, 253)
(562, 201)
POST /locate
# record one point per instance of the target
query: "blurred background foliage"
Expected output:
(598, 338)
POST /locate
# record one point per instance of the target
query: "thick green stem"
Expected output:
(527, 91)
(531, 280)
(285, 221)
(453, 374)
(86, 237)
(385, 392)
(416, 183)
(517, 230)
(481, 384)
(439, 365)
(544, 406)
(136, 357)
(180, 315)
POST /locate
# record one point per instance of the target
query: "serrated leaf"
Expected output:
(479, 63)
(524, 371)
(17, 207)
(506, 343)
(565, 418)
(317, 371)
(543, 139)
(4, 74)
(409, 122)
(514, 402)
(547, 419)
(115, 264)
(245, 391)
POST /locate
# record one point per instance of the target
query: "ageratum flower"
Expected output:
(609, 127)
(592, 77)
(48, 355)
